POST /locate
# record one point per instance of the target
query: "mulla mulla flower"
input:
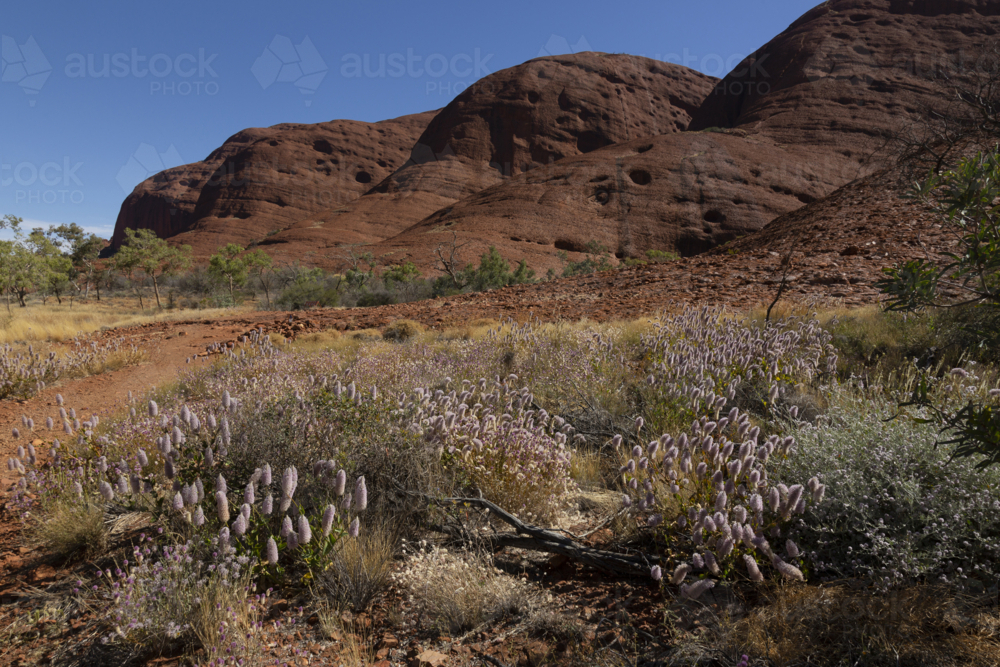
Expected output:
(222, 506)
(305, 531)
(328, 515)
(697, 589)
(752, 568)
(272, 551)
(360, 494)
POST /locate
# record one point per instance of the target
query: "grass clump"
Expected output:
(458, 591)
(73, 528)
(361, 569)
(402, 330)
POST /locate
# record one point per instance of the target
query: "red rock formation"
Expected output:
(799, 118)
(625, 151)
(265, 179)
(511, 122)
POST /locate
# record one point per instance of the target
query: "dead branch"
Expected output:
(450, 265)
(533, 538)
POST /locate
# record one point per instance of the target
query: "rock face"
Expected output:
(262, 180)
(513, 122)
(308, 178)
(685, 192)
(631, 153)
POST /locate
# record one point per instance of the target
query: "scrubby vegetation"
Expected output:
(743, 467)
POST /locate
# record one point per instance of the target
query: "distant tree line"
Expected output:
(64, 262)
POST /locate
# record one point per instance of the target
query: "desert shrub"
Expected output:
(194, 283)
(899, 509)
(704, 360)
(837, 625)
(514, 454)
(598, 258)
(310, 290)
(402, 330)
(182, 594)
(458, 591)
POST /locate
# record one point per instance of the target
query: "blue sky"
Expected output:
(97, 96)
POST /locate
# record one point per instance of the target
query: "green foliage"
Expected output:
(310, 287)
(404, 273)
(493, 272)
(968, 199)
(144, 254)
(598, 259)
(232, 266)
(662, 255)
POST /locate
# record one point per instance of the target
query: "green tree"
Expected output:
(83, 250)
(493, 272)
(53, 266)
(143, 253)
(229, 266)
(262, 266)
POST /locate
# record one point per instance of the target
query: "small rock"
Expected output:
(431, 658)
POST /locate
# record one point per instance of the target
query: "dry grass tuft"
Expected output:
(318, 341)
(402, 330)
(587, 468)
(920, 625)
(458, 591)
(226, 618)
(361, 568)
(73, 528)
(357, 646)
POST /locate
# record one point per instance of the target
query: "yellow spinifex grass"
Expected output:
(56, 323)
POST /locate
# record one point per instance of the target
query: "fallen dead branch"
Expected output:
(525, 536)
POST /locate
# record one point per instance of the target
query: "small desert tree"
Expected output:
(261, 266)
(232, 265)
(82, 249)
(53, 266)
(967, 199)
(143, 253)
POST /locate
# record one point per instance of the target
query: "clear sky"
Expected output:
(95, 97)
